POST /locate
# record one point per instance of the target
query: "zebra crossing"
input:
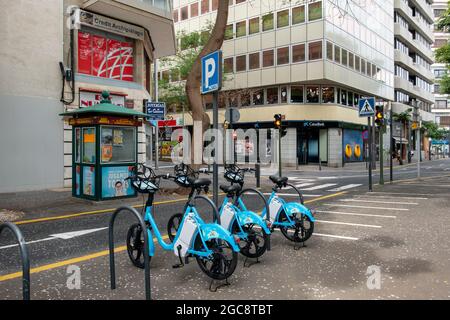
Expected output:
(319, 185)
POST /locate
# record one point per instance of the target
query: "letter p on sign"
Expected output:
(212, 72)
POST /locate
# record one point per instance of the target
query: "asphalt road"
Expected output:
(343, 221)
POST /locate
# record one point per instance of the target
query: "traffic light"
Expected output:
(379, 116)
(277, 121)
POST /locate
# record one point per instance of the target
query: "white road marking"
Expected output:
(364, 207)
(397, 197)
(334, 236)
(64, 236)
(321, 186)
(377, 201)
(348, 186)
(290, 194)
(427, 185)
(301, 185)
(299, 179)
(349, 224)
(392, 193)
(357, 214)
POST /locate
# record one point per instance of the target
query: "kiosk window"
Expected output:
(88, 145)
(77, 145)
(118, 144)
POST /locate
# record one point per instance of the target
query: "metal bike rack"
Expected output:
(259, 193)
(112, 267)
(24, 254)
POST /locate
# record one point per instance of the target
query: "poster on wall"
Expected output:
(114, 183)
(77, 180)
(99, 57)
(353, 145)
(84, 53)
(127, 61)
(89, 181)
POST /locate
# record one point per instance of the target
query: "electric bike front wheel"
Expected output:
(135, 245)
(222, 263)
(257, 239)
(301, 229)
(173, 225)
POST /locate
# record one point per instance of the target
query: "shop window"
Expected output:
(351, 60)
(343, 97)
(268, 58)
(229, 32)
(102, 56)
(298, 53)
(77, 145)
(118, 144)
(253, 25)
(241, 63)
(267, 22)
(297, 94)
(283, 19)
(254, 62)
(315, 11)
(315, 50)
(258, 97)
(328, 94)
(88, 145)
(241, 29)
(228, 65)
(283, 56)
(272, 95)
(298, 15)
(350, 99)
(205, 6)
(184, 13)
(312, 94)
(329, 51)
(283, 94)
(344, 57)
(194, 9)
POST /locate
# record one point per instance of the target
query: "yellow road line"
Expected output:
(326, 197)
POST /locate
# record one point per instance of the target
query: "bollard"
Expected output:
(24, 255)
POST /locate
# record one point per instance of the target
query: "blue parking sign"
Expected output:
(212, 72)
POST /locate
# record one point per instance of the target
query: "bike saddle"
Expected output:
(230, 189)
(199, 183)
(279, 180)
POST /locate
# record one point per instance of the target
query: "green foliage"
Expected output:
(442, 54)
(402, 117)
(444, 83)
(433, 131)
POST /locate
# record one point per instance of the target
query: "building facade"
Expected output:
(107, 45)
(308, 60)
(413, 37)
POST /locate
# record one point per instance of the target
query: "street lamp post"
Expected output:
(429, 148)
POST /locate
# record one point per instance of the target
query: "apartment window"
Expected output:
(312, 94)
(244, 99)
(241, 29)
(344, 57)
(350, 99)
(205, 6)
(239, 1)
(272, 95)
(437, 89)
(298, 53)
(337, 54)
(268, 58)
(315, 11)
(296, 94)
(194, 10)
(329, 50)
(214, 5)
(441, 104)
(253, 61)
(258, 97)
(343, 97)
(283, 19)
(241, 63)
(369, 69)
(351, 58)
(328, 94)
(355, 99)
(363, 66)
(229, 32)
(438, 12)
(283, 56)
(439, 73)
(228, 65)
(357, 63)
(253, 25)
(283, 94)
(184, 13)
(267, 22)
(374, 71)
(298, 15)
(175, 15)
(315, 50)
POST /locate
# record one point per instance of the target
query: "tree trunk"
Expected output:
(194, 78)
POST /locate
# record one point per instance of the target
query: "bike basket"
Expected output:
(184, 175)
(144, 179)
(233, 174)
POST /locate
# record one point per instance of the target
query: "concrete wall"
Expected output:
(289, 147)
(31, 132)
(335, 147)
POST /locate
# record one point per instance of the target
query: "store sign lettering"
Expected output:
(89, 99)
(314, 124)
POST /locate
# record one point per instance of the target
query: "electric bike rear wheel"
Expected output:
(222, 263)
(257, 239)
(173, 225)
(301, 230)
(135, 245)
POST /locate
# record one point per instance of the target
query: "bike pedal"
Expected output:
(179, 265)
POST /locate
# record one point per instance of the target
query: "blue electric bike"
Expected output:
(213, 247)
(251, 229)
(294, 219)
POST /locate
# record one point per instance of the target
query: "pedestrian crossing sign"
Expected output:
(366, 106)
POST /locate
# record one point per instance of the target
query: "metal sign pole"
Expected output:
(215, 165)
(391, 165)
(370, 152)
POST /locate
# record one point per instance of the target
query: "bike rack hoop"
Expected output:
(112, 267)
(24, 255)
